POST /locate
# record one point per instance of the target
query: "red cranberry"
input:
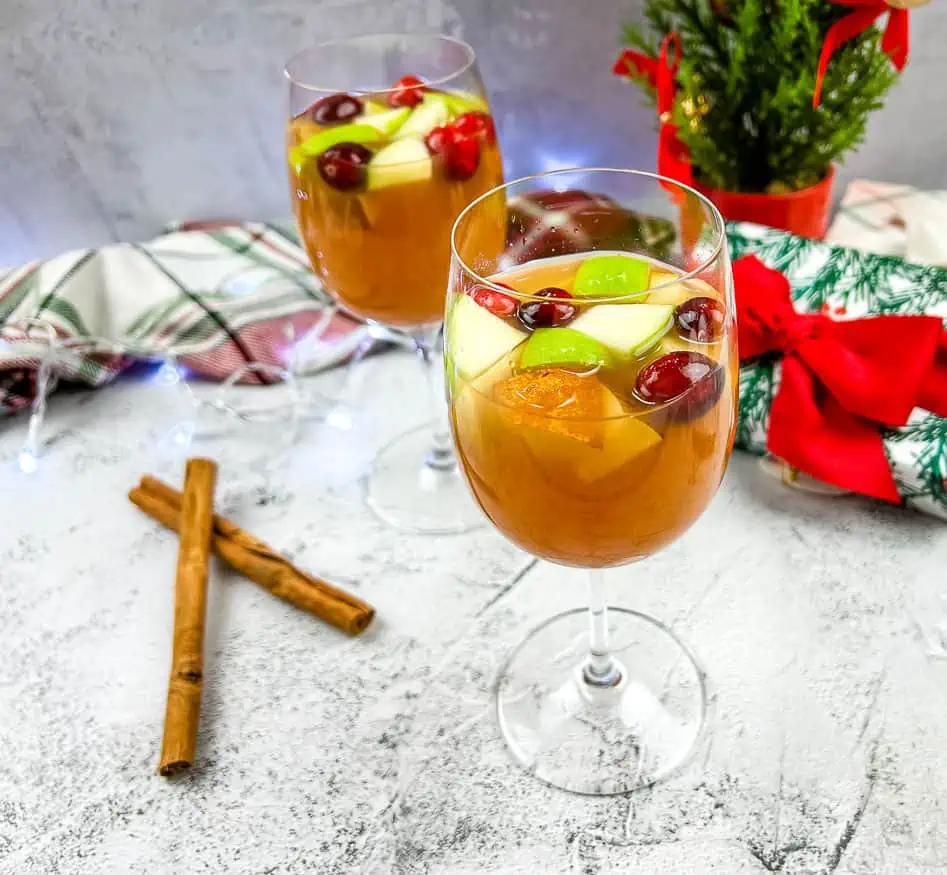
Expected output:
(691, 377)
(344, 166)
(335, 109)
(700, 319)
(547, 314)
(407, 91)
(496, 302)
(440, 138)
(475, 124)
(461, 159)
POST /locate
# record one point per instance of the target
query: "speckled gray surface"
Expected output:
(320, 754)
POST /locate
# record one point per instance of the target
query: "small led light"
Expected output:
(168, 375)
(339, 418)
(27, 461)
(182, 434)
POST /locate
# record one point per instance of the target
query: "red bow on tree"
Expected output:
(673, 157)
(865, 12)
(842, 380)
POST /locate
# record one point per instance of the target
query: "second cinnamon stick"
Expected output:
(260, 562)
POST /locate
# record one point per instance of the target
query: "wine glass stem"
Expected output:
(441, 455)
(600, 669)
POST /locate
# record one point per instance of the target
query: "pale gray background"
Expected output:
(118, 116)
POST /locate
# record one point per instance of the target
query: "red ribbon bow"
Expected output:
(673, 157)
(842, 380)
(895, 40)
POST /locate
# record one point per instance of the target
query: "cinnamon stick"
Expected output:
(190, 605)
(260, 562)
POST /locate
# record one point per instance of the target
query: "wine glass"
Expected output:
(389, 137)
(592, 385)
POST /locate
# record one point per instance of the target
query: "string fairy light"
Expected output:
(38, 342)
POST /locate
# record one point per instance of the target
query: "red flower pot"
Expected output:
(804, 213)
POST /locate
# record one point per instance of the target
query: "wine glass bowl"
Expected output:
(388, 137)
(380, 170)
(592, 382)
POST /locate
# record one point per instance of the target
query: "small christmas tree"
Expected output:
(748, 76)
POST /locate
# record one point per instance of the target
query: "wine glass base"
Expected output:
(601, 741)
(411, 495)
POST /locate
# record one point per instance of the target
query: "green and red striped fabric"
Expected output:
(214, 295)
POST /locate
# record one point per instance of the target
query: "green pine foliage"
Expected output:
(757, 389)
(749, 70)
(928, 434)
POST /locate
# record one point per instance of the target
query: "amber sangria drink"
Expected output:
(389, 137)
(593, 404)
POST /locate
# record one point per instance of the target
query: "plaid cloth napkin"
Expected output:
(214, 295)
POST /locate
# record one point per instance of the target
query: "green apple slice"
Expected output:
(476, 339)
(431, 113)
(673, 294)
(375, 107)
(628, 330)
(459, 102)
(316, 145)
(678, 292)
(400, 162)
(387, 122)
(611, 276)
(551, 347)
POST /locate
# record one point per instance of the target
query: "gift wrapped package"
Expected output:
(843, 373)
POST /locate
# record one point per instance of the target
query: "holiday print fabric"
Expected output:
(847, 283)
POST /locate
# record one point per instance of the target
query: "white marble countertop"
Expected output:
(321, 754)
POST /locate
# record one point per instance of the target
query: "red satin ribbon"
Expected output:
(842, 380)
(673, 157)
(895, 40)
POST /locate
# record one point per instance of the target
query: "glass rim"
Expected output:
(692, 274)
(471, 59)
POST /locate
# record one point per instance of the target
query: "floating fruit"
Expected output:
(440, 138)
(556, 347)
(690, 378)
(335, 109)
(659, 277)
(611, 276)
(475, 124)
(461, 159)
(673, 293)
(431, 113)
(553, 394)
(400, 162)
(496, 302)
(628, 330)
(388, 122)
(344, 165)
(547, 314)
(673, 290)
(407, 91)
(575, 427)
(374, 107)
(477, 338)
(700, 320)
(460, 102)
(360, 133)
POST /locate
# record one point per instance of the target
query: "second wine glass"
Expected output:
(389, 137)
